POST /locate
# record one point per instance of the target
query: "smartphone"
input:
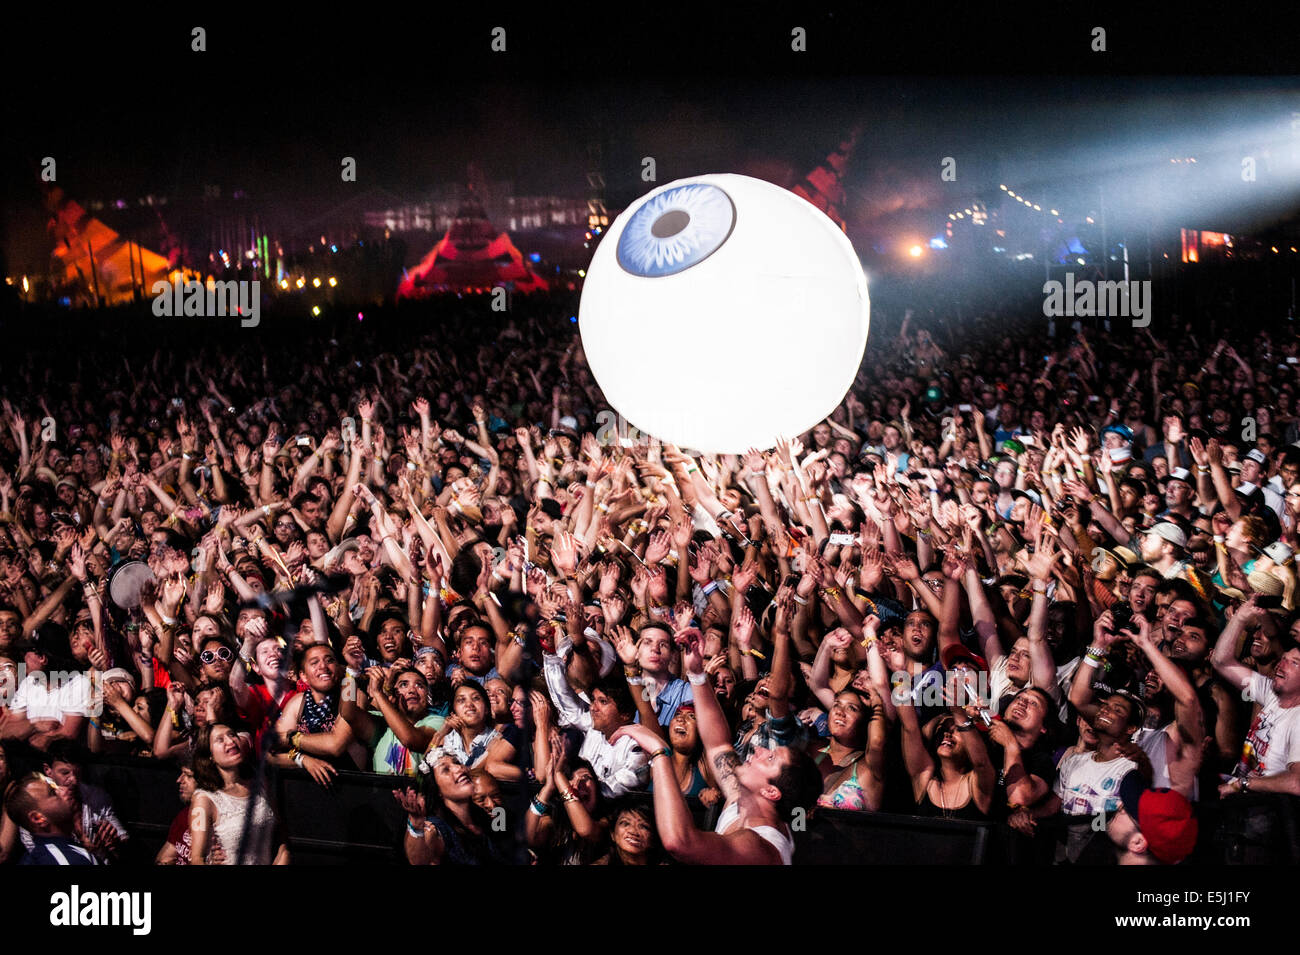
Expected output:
(304, 442)
(963, 408)
(1122, 614)
(841, 540)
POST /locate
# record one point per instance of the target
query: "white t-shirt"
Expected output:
(1273, 742)
(51, 697)
(780, 840)
(1155, 743)
(1087, 787)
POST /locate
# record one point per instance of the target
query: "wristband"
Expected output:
(710, 587)
(411, 830)
(170, 621)
(539, 808)
(635, 680)
(660, 752)
(698, 679)
(1093, 662)
(751, 652)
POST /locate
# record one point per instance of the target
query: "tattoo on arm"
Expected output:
(724, 765)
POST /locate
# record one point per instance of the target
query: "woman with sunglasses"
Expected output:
(220, 814)
(952, 775)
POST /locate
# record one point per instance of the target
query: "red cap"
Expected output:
(1164, 818)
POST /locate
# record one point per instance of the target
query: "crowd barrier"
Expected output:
(357, 820)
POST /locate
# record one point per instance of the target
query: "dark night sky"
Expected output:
(128, 109)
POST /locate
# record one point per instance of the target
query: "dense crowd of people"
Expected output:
(1053, 593)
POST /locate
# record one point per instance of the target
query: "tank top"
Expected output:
(779, 838)
(968, 810)
(228, 830)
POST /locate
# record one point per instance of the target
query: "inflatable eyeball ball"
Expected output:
(723, 312)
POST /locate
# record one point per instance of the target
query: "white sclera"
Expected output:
(760, 340)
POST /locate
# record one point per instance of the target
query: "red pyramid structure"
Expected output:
(471, 257)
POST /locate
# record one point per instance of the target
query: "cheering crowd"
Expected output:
(1056, 594)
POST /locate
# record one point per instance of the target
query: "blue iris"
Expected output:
(676, 229)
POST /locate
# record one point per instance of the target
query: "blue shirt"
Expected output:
(55, 850)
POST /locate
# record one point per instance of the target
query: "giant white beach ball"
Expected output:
(721, 312)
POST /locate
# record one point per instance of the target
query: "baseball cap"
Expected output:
(1258, 456)
(1170, 532)
(1181, 474)
(955, 653)
(1163, 816)
(1124, 431)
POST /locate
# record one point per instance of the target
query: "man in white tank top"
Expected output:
(759, 793)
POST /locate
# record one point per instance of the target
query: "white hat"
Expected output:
(1169, 531)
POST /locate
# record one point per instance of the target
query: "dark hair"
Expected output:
(19, 802)
(615, 687)
(206, 774)
(65, 751)
(800, 783)
(477, 687)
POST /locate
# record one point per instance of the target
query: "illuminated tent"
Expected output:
(95, 260)
(472, 256)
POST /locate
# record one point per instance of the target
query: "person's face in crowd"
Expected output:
(215, 660)
(848, 718)
(1087, 735)
(1005, 475)
(583, 785)
(1020, 510)
(312, 512)
(320, 668)
(1192, 645)
(391, 639)
(204, 627)
(682, 731)
(487, 793)
(476, 651)
(605, 717)
(67, 494)
(632, 834)
(185, 785)
(8, 678)
(40, 517)
(821, 436)
(1028, 712)
(318, 545)
(82, 641)
(499, 697)
(724, 682)
(1151, 504)
(1152, 548)
(1019, 662)
(285, 529)
(1178, 494)
(1178, 613)
(918, 636)
(269, 658)
(844, 447)
(1286, 676)
(759, 773)
(1128, 496)
(64, 774)
(413, 694)
(468, 705)
(1114, 717)
(980, 492)
(892, 438)
(430, 664)
(207, 706)
(365, 549)
(453, 780)
(654, 650)
(519, 706)
(1250, 471)
(56, 805)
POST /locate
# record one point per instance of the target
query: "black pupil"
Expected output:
(670, 223)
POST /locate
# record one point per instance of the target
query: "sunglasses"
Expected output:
(221, 653)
